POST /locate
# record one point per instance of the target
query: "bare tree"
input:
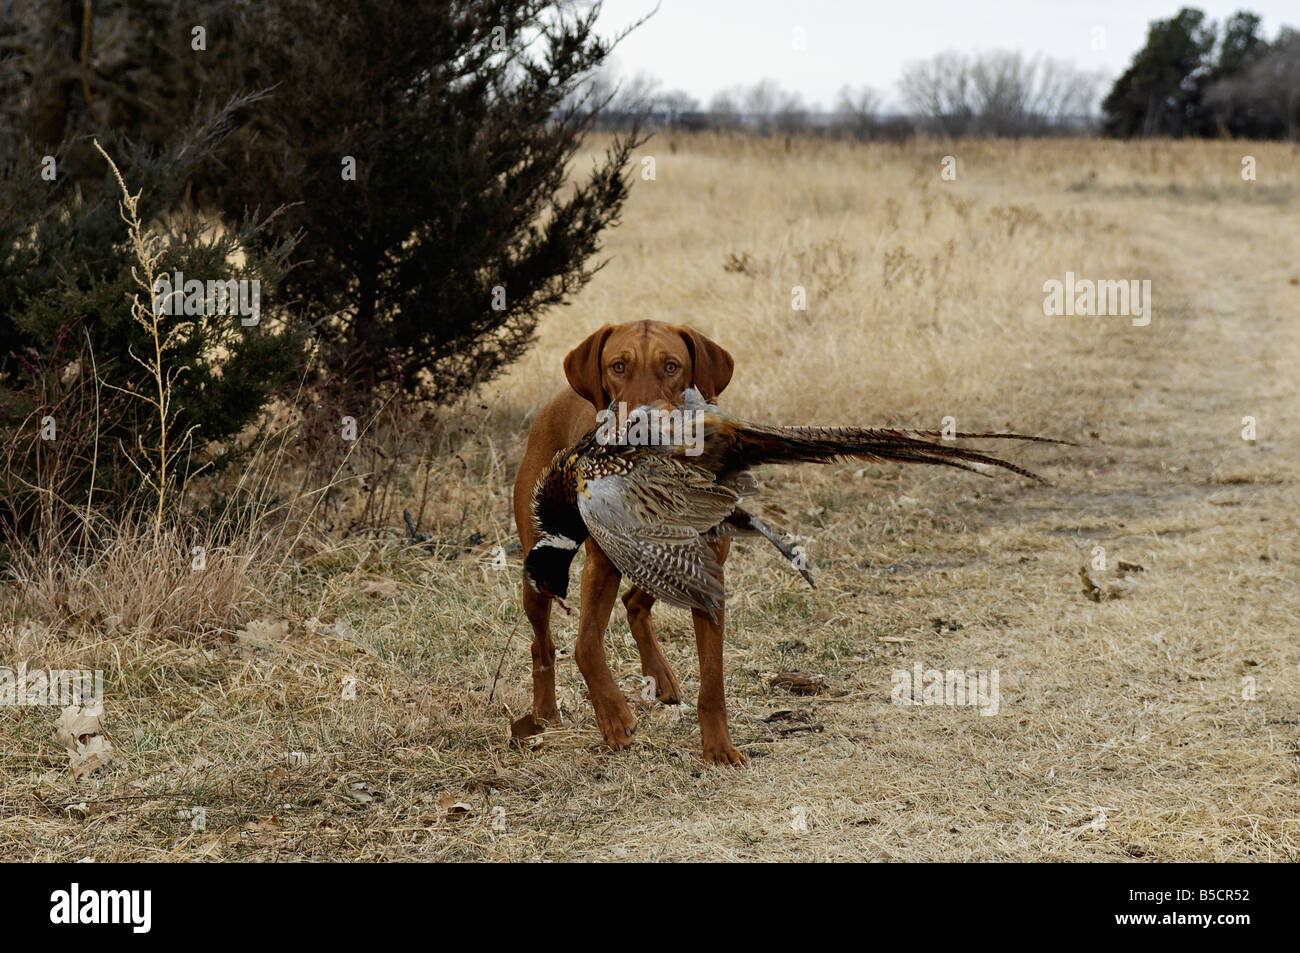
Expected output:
(1064, 93)
(763, 102)
(999, 93)
(640, 94)
(939, 89)
(761, 98)
(855, 111)
(678, 108)
(624, 99)
(1001, 87)
(724, 107)
(763, 107)
(789, 115)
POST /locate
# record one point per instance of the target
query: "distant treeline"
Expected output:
(1192, 78)
(988, 94)
(880, 127)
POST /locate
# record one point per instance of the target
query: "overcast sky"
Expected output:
(703, 46)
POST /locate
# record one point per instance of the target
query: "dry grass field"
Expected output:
(1161, 725)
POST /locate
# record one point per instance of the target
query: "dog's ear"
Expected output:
(582, 367)
(711, 364)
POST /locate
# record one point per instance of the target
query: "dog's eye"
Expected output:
(670, 367)
(618, 367)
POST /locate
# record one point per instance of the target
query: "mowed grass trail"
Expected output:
(1161, 725)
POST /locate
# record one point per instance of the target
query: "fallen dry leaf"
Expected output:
(379, 588)
(76, 723)
(454, 809)
(94, 754)
(357, 791)
(263, 833)
(201, 762)
(1116, 583)
(77, 731)
(800, 683)
(263, 633)
(522, 729)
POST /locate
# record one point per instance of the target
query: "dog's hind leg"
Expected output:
(653, 664)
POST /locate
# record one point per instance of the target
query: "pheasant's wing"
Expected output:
(682, 571)
(649, 519)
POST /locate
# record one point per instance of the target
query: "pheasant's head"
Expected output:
(546, 567)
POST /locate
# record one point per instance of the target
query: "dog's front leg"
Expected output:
(712, 704)
(600, 581)
(538, 609)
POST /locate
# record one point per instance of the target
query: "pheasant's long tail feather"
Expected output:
(983, 435)
(754, 445)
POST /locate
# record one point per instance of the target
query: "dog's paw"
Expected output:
(664, 682)
(617, 724)
(726, 754)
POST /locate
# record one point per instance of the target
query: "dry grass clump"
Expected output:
(166, 581)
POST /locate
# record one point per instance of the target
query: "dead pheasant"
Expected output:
(653, 506)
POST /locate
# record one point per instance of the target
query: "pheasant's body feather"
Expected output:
(650, 521)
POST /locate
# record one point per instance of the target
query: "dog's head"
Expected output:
(643, 362)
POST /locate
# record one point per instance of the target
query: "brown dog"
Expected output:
(637, 363)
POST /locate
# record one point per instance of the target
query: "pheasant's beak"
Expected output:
(546, 591)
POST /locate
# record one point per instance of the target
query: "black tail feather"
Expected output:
(754, 446)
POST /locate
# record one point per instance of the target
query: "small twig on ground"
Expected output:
(501, 661)
(410, 525)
